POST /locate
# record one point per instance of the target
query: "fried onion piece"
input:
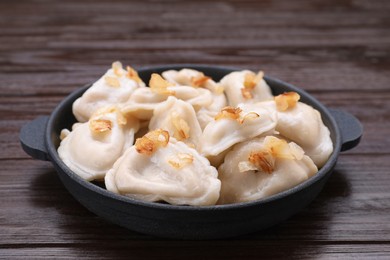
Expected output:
(199, 81)
(279, 148)
(274, 147)
(250, 82)
(150, 142)
(117, 68)
(286, 100)
(97, 123)
(246, 93)
(263, 161)
(98, 114)
(133, 74)
(250, 116)
(159, 85)
(182, 129)
(245, 166)
(181, 160)
(234, 114)
(229, 113)
(100, 125)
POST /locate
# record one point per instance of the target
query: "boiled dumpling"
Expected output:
(187, 77)
(303, 125)
(245, 87)
(234, 125)
(179, 119)
(192, 78)
(143, 101)
(160, 168)
(262, 167)
(113, 88)
(196, 79)
(91, 148)
(207, 114)
(192, 86)
(197, 97)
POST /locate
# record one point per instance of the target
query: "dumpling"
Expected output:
(303, 125)
(217, 160)
(197, 79)
(143, 101)
(245, 87)
(206, 114)
(262, 167)
(234, 125)
(91, 148)
(192, 78)
(113, 88)
(189, 78)
(197, 97)
(179, 119)
(160, 168)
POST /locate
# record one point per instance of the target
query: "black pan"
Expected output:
(40, 139)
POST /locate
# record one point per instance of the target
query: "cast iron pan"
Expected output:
(40, 139)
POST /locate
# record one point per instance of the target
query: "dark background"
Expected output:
(339, 51)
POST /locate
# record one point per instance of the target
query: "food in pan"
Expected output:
(144, 100)
(114, 87)
(91, 148)
(179, 119)
(245, 87)
(158, 167)
(194, 78)
(261, 167)
(200, 142)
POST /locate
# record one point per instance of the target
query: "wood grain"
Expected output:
(339, 51)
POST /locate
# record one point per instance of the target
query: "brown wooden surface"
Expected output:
(339, 51)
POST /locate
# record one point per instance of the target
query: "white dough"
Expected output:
(197, 97)
(206, 114)
(101, 94)
(179, 119)
(233, 83)
(185, 77)
(223, 133)
(303, 125)
(143, 101)
(91, 155)
(242, 182)
(153, 178)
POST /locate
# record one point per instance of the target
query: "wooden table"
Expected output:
(339, 51)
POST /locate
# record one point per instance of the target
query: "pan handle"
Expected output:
(32, 138)
(350, 127)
